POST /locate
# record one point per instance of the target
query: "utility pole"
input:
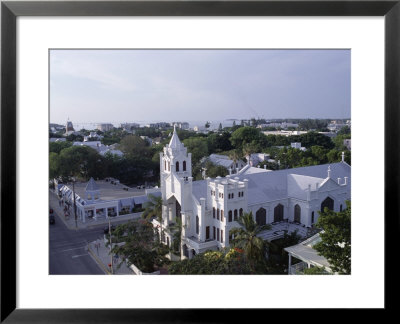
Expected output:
(73, 192)
(109, 232)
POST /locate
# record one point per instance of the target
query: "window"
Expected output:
(222, 195)
(341, 208)
(214, 232)
(177, 166)
(230, 216)
(213, 212)
(217, 234)
(312, 218)
(222, 215)
(197, 224)
(235, 215)
(165, 165)
(169, 166)
(207, 232)
(229, 196)
(184, 166)
(241, 212)
(218, 213)
(233, 195)
(222, 236)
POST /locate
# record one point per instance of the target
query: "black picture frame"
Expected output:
(10, 10)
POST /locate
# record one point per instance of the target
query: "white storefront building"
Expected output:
(209, 208)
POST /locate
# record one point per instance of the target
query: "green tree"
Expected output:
(315, 271)
(245, 135)
(207, 125)
(134, 145)
(335, 244)
(81, 161)
(229, 261)
(139, 246)
(214, 171)
(197, 146)
(245, 237)
(56, 147)
(175, 229)
(54, 165)
(153, 209)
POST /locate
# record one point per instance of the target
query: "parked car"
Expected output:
(106, 229)
(52, 219)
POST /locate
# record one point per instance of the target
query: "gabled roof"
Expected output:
(270, 186)
(92, 185)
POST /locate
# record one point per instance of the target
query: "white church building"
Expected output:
(210, 208)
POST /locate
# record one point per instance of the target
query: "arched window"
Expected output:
(341, 208)
(230, 216)
(222, 236)
(297, 214)
(328, 203)
(235, 215)
(177, 166)
(165, 165)
(184, 166)
(233, 195)
(213, 212)
(261, 217)
(278, 213)
(240, 211)
(197, 224)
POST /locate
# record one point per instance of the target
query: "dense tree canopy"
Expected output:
(335, 243)
(231, 261)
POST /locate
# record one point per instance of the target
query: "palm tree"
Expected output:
(176, 229)
(245, 237)
(154, 210)
(234, 156)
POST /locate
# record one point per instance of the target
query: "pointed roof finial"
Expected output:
(92, 185)
(342, 156)
(175, 142)
(329, 171)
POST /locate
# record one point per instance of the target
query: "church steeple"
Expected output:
(175, 143)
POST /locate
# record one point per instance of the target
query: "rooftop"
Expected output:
(108, 191)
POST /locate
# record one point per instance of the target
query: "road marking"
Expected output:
(79, 255)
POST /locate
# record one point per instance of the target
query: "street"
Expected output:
(67, 250)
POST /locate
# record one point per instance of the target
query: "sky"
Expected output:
(114, 86)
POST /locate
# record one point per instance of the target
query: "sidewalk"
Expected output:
(70, 221)
(100, 253)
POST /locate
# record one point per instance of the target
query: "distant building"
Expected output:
(223, 160)
(200, 129)
(99, 147)
(69, 128)
(92, 136)
(128, 126)
(297, 145)
(347, 143)
(159, 125)
(105, 127)
(255, 158)
(284, 133)
(181, 125)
